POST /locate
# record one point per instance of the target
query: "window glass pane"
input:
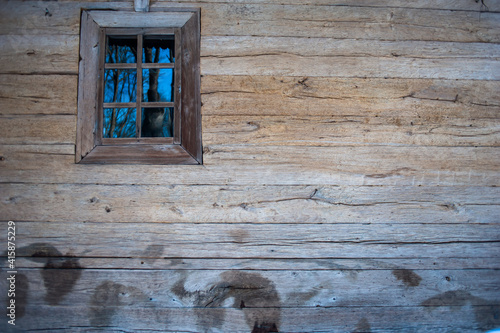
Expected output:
(121, 49)
(120, 85)
(157, 122)
(158, 85)
(119, 123)
(158, 49)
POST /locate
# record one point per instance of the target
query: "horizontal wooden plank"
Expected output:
(382, 288)
(352, 130)
(392, 20)
(399, 67)
(38, 94)
(257, 240)
(240, 46)
(312, 204)
(39, 54)
(268, 165)
(321, 96)
(150, 259)
(46, 129)
(292, 130)
(126, 317)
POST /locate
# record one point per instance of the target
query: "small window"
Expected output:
(139, 88)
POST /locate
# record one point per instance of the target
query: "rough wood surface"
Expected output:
(312, 204)
(132, 311)
(270, 165)
(350, 181)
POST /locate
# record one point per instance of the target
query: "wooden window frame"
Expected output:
(185, 146)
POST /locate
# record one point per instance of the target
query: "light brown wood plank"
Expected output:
(293, 65)
(53, 129)
(428, 242)
(46, 129)
(37, 94)
(240, 46)
(30, 54)
(364, 98)
(278, 165)
(312, 204)
(391, 21)
(350, 130)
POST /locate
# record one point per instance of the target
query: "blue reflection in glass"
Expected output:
(121, 49)
(158, 85)
(158, 49)
(120, 85)
(157, 122)
(119, 123)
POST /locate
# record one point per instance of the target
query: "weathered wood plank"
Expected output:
(103, 297)
(37, 94)
(149, 259)
(46, 129)
(39, 54)
(126, 317)
(385, 21)
(296, 289)
(351, 130)
(399, 67)
(292, 131)
(372, 97)
(239, 46)
(257, 240)
(272, 165)
(312, 204)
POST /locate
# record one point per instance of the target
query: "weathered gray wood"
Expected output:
(147, 260)
(384, 21)
(464, 317)
(367, 98)
(258, 240)
(120, 297)
(268, 165)
(109, 19)
(399, 67)
(312, 204)
(295, 289)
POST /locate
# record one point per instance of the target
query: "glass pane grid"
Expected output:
(120, 103)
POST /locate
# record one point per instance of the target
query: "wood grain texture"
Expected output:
(420, 21)
(350, 179)
(272, 165)
(259, 240)
(130, 316)
(37, 94)
(311, 204)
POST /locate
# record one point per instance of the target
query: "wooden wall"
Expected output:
(350, 177)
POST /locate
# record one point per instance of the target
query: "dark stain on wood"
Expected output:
(59, 279)
(487, 314)
(108, 297)
(409, 277)
(60, 273)
(264, 328)
(363, 326)
(252, 293)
